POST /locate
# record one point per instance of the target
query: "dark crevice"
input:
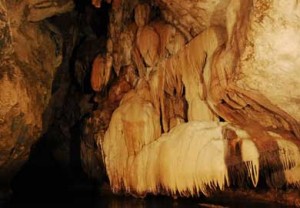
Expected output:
(54, 172)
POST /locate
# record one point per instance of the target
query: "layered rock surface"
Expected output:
(207, 61)
(30, 54)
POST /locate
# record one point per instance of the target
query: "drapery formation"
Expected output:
(190, 96)
(204, 61)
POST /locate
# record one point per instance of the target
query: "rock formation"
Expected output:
(200, 62)
(185, 97)
(31, 51)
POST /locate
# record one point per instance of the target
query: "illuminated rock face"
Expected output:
(171, 73)
(29, 58)
(189, 160)
(193, 17)
(194, 158)
(209, 59)
(250, 75)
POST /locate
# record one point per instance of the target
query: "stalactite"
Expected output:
(148, 45)
(101, 72)
(189, 160)
(133, 125)
(187, 67)
(198, 61)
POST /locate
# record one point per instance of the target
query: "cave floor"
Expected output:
(88, 196)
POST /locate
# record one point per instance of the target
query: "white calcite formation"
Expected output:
(193, 158)
(197, 62)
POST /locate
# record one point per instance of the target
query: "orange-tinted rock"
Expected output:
(142, 14)
(29, 57)
(118, 90)
(199, 61)
(148, 43)
(122, 47)
(193, 17)
(39, 10)
(100, 72)
(97, 3)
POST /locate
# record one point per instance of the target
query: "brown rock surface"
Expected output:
(29, 58)
(39, 10)
(229, 69)
(190, 96)
(148, 44)
(142, 14)
(101, 72)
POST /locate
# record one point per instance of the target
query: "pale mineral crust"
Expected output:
(205, 61)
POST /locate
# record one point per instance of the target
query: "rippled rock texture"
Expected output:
(198, 64)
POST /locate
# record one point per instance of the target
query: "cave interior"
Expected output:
(149, 103)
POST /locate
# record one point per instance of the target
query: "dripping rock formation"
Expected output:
(198, 62)
(182, 98)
